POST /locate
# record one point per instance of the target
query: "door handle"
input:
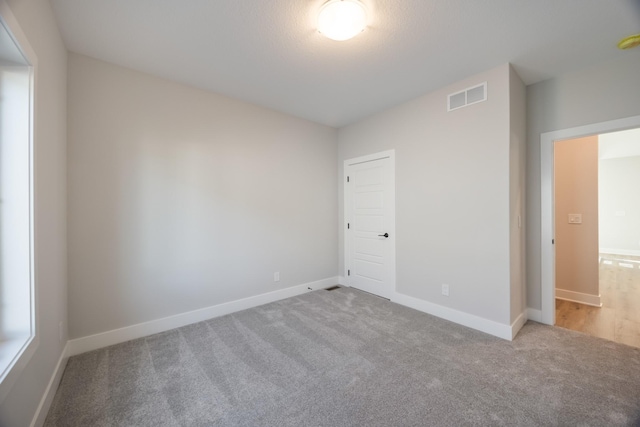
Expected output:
(383, 235)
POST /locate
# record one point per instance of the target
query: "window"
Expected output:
(17, 291)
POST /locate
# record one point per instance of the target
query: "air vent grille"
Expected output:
(469, 96)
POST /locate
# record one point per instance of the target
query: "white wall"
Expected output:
(452, 194)
(604, 92)
(181, 199)
(38, 24)
(620, 205)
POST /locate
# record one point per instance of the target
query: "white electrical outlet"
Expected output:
(276, 276)
(445, 289)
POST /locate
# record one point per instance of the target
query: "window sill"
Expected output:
(15, 353)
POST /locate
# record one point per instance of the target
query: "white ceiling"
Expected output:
(268, 52)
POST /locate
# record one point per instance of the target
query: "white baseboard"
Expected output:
(579, 297)
(534, 314)
(342, 281)
(518, 324)
(116, 336)
(611, 251)
(50, 391)
(469, 320)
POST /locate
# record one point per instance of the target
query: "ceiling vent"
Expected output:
(469, 96)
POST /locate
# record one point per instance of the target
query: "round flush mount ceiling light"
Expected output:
(629, 42)
(342, 19)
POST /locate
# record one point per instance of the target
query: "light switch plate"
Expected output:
(575, 218)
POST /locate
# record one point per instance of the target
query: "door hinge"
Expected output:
(348, 226)
(553, 241)
(348, 272)
(347, 179)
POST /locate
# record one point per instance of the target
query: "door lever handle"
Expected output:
(383, 235)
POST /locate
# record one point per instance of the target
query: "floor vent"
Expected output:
(466, 97)
(333, 288)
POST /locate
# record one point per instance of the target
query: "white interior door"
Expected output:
(370, 223)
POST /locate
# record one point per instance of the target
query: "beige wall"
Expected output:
(453, 188)
(603, 92)
(181, 199)
(517, 176)
(576, 192)
(38, 24)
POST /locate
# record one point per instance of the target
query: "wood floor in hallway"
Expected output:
(619, 317)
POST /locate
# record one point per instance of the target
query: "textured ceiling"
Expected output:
(268, 52)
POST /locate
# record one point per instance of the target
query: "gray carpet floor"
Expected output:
(347, 358)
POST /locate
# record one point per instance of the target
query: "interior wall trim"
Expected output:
(116, 336)
(534, 314)
(49, 393)
(578, 297)
(500, 330)
(613, 251)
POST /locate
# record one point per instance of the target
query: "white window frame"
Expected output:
(15, 354)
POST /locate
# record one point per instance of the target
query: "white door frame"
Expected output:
(547, 227)
(391, 155)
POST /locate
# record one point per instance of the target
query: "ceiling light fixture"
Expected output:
(629, 42)
(342, 19)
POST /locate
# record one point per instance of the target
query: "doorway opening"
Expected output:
(597, 226)
(589, 261)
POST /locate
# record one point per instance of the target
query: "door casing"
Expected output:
(547, 205)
